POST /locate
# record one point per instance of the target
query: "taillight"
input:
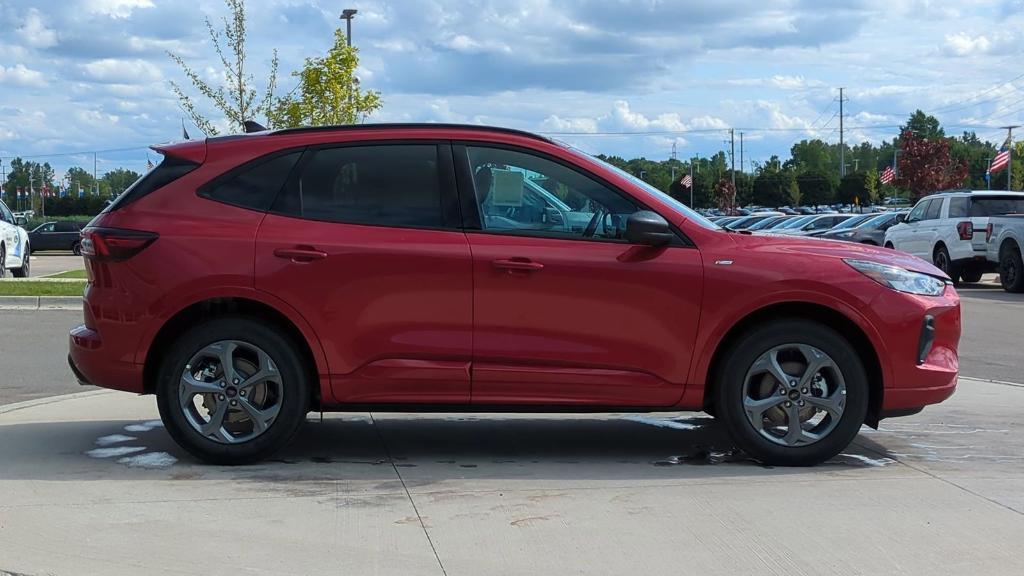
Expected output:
(113, 244)
(988, 233)
(965, 229)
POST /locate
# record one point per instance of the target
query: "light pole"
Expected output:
(347, 15)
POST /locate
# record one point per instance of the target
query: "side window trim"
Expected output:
(471, 220)
(451, 215)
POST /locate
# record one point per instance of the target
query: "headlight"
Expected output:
(899, 279)
(845, 234)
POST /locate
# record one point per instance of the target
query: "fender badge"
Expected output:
(723, 262)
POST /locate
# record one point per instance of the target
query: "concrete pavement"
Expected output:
(91, 484)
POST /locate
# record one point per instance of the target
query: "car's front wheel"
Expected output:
(233, 391)
(26, 266)
(792, 393)
(1011, 268)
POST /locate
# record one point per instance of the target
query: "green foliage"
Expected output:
(118, 180)
(871, 184)
(817, 187)
(328, 92)
(236, 96)
(923, 126)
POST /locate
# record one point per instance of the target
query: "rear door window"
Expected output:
(65, 227)
(381, 185)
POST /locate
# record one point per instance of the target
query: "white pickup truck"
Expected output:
(1004, 237)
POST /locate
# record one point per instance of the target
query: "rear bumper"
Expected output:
(92, 363)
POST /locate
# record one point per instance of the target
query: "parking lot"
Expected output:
(92, 484)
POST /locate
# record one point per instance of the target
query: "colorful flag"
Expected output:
(686, 181)
(887, 176)
(1002, 158)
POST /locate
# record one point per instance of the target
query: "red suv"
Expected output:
(249, 280)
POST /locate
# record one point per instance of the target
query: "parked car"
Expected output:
(870, 231)
(15, 254)
(768, 222)
(815, 225)
(941, 229)
(853, 221)
(57, 235)
(748, 221)
(1004, 237)
(366, 267)
(724, 222)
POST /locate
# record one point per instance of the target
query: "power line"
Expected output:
(967, 103)
(79, 153)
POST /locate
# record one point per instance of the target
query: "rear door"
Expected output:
(365, 243)
(568, 315)
(931, 229)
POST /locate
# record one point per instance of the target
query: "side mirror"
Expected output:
(648, 228)
(901, 218)
(552, 217)
(21, 221)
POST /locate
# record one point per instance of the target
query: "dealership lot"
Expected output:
(92, 484)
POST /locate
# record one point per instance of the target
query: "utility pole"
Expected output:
(732, 155)
(693, 183)
(95, 180)
(842, 142)
(1009, 161)
(741, 152)
(674, 157)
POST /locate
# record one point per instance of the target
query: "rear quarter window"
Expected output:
(166, 172)
(959, 207)
(254, 185)
(995, 205)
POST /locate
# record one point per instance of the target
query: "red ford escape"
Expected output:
(249, 280)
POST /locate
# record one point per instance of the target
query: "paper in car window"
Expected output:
(508, 188)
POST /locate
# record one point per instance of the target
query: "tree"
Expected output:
(118, 180)
(871, 185)
(812, 156)
(772, 186)
(817, 187)
(236, 97)
(923, 126)
(725, 196)
(793, 190)
(328, 91)
(853, 189)
(926, 166)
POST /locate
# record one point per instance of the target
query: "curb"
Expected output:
(33, 303)
(51, 400)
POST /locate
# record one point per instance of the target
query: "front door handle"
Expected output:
(518, 264)
(300, 254)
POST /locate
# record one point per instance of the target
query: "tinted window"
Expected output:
(65, 226)
(168, 171)
(959, 207)
(48, 227)
(5, 213)
(388, 185)
(993, 205)
(932, 212)
(526, 194)
(255, 185)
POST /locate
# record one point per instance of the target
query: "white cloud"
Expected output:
(117, 8)
(113, 70)
(34, 31)
(19, 75)
(963, 44)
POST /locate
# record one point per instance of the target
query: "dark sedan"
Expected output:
(59, 235)
(871, 231)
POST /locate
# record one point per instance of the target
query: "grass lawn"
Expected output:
(15, 288)
(69, 274)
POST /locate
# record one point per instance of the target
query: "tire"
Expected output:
(26, 266)
(844, 385)
(940, 257)
(3, 261)
(872, 243)
(283, 405)
(76, 248)
(890, 246)
(1011, 268)
(971, 275)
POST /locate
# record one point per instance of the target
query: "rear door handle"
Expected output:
(523, 264)
(300, 254)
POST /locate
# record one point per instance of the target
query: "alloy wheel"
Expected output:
(794, 394)
(230, 392)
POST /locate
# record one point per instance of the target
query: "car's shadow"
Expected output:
(423, 450)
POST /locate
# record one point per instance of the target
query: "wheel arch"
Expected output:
(1007, 243)
(212, 308)
(815, 313)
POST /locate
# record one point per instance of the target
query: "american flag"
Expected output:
(887, 176)
(1001, 159)
(686, 181)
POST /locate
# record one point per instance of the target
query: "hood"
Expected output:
(796, 246)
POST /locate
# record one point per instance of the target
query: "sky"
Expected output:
(623, 77)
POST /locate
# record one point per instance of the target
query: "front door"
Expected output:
(364, 243)
(566, 312)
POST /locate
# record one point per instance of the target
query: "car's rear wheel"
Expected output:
(3, 261)
(971, 275)
(233, 391)
(940, 257)
(792, 393)
(1011, 268)
(76, 248)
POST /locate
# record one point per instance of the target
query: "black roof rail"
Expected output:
(408, 125)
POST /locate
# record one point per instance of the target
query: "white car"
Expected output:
(14, 250)
(948, 230)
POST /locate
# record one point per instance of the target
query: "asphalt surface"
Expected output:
(46, 263)
(33, 345)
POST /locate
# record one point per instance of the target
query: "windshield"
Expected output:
(853, 222)
(766, 223)
(796, 222)
(676, 205)
(878, 220)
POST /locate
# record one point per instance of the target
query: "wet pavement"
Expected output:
(92, 484)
